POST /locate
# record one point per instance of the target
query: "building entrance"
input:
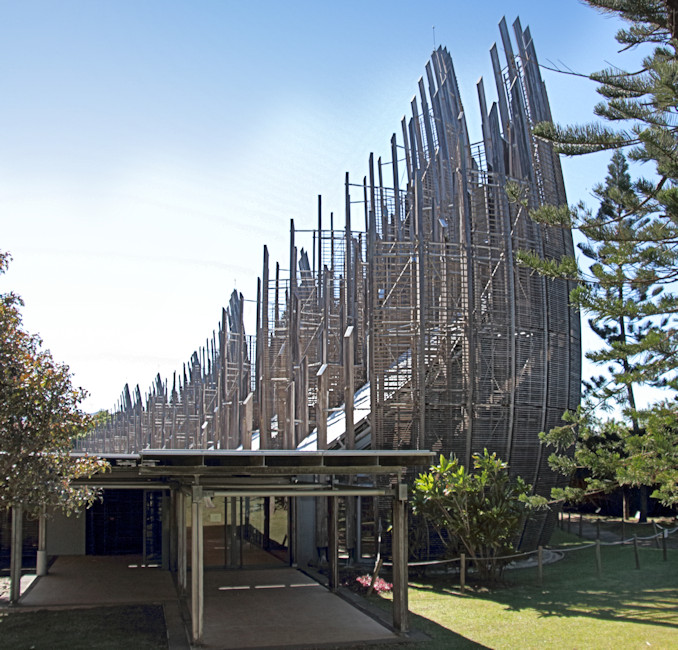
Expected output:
(244, 532)
(127, 522)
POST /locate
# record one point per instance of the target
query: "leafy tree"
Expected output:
(39, 419)
(629, 287)
(101, 418)
(653, 454)
(615, 455)
(618, 298)
(480, 509)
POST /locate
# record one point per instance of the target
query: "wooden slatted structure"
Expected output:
(463, 350)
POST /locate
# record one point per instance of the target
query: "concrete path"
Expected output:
(251, 608)
(99, 580)
(281, 607)
(610, 529)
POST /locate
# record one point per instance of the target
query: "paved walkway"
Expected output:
(99, 580)
(251, 608)
(255, 608)
(610, 529)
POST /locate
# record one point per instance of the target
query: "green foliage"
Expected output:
(480, 509)
(516, 193)
(615, 454)
(653, 454)
(640, 104)
(627, 287)
(101, 418)
(39, 418)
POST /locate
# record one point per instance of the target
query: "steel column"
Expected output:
(16, 554)
(333, 542)
(197, 587)
(181, 542)
(400, 552)
(41, 559)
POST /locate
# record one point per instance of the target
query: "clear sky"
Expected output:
(150, 148)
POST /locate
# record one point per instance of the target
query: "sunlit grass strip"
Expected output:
(625, 608)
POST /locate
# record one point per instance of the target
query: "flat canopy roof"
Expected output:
(226, 467)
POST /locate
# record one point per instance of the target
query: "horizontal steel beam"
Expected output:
(321, 492)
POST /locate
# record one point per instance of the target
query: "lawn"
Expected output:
(140, 627)
(625, 608)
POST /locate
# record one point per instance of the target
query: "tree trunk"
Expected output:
(672, 10)
(644, 504)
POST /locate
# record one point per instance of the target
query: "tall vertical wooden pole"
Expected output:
(372, 209)
(421, 313)
(321, 529)
(303, 401)
(383, 212)
(348, 263)
(366, 203)
(292, 343)
(326, 313)
(290, 419)
(466, 228)
(321, 406)
(332, 244)
(396, 189)
(246, 421)
(349, 436)
(277, 294)
(371, 329)
(234, 425)
(265, 383)
(243, 384)
(320, 250)
(257, 364)
(349, 385)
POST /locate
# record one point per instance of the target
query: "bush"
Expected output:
(479, 510)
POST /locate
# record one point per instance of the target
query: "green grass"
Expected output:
(139, 627)
(625, 608)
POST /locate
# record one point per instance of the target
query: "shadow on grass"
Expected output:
(421, 627)
(441, 637)
(572, 588)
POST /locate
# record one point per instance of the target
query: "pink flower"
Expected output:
(380, 585)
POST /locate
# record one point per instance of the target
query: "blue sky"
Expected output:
(149, 149)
